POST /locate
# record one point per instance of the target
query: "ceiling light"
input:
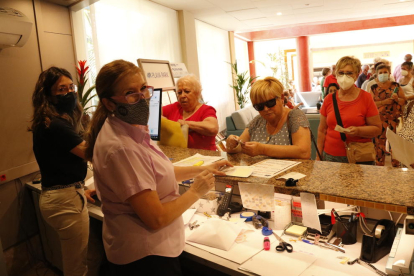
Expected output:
(279, 13)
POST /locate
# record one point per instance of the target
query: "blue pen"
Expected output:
(308, 242)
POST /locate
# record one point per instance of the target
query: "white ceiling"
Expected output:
(253, 15)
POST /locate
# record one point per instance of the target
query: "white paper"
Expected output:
(239, 171)
(257, 196)
(278, 263)
(341, 129)
(270, 167)
(187, 215)
(282, 215)
(294, 175)
(310, 211)
(90, 184)
(402, 150)
(248, 243)
(216, 233)
(197, 158)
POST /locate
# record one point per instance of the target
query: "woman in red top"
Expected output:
(358, 112)
(200, 118)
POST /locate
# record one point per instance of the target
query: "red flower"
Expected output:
(82, 70)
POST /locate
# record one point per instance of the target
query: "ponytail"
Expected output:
(95, 126)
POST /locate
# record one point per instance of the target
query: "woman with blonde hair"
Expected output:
(277, 131)
(143, 230)
(357, 110)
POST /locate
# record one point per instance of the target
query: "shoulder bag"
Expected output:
(355, 151)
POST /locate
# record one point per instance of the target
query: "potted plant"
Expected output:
(84, 97)
(242, 83)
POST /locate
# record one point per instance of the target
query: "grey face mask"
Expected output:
(136, 114)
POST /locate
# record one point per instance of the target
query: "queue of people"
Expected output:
(137, 183)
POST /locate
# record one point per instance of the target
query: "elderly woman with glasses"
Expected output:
(357, 110)
(277, 131)
(188, 110)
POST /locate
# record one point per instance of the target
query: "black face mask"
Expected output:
(66, 103)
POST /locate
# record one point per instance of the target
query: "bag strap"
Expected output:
(338, 116)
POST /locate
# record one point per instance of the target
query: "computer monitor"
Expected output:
(154, 122)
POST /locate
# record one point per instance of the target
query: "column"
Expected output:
(302, 45)
(252, 66)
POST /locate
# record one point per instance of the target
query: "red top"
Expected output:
(330, 79)
(353, 113)
(174, 112)
(290, 105)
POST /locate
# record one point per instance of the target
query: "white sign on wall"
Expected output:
(157, 73)
(179, 70)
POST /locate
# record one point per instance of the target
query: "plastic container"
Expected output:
(347, 230)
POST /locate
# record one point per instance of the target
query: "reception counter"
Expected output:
(383, 188)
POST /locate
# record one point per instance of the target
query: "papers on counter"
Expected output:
(197, 159)
(270, 167)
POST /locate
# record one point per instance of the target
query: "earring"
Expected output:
(113, 113)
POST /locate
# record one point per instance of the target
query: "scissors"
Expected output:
(283, 245)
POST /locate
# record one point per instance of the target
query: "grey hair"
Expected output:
(193, 81)
(365, 66)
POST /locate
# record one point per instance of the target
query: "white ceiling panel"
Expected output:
(246, 14)
(185, 4)
(251, 15)
(233, 5)
(258, 22)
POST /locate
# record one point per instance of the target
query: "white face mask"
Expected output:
(383, 77)
(404, 73)
(345, 82)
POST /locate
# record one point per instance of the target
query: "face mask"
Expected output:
(66, 103)
(383, 77)
(404, 73)
(345, 82)
(136, 114)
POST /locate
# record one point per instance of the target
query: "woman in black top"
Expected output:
(59, 151)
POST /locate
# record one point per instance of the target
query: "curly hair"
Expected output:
(43, 109)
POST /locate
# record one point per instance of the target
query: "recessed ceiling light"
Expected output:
(279, 13)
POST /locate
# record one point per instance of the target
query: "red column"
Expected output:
(302, 45)
(250, 50)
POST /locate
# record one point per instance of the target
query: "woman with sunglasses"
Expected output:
(357, 109)
(143, 230)
(59, 151)
(277, 131)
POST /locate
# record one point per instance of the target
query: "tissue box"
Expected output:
(208, 204)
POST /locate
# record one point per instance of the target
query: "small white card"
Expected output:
(238, 171)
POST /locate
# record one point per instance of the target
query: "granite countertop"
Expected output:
(358, 182)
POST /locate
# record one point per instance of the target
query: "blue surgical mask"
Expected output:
(383, 77)
(136, 114)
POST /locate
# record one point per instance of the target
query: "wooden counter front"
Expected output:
(376, 187)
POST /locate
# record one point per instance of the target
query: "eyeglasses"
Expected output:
(349, 74)
(270, 103)
(67, 89)
(136, 97)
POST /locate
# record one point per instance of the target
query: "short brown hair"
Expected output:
(382, 66)
(347, 60)
(262, 89)
(325, 71)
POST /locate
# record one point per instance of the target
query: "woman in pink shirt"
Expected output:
(188, 110)
(143, 231)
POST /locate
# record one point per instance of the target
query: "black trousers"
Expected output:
(149, 266)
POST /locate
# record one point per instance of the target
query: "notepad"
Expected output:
(296, 230)
(239, 171)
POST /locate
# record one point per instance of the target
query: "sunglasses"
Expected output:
(270, 103)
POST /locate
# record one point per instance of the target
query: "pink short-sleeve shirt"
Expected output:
(126, 162)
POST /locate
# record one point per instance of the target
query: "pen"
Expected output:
(239, 141)
(338, 218)
(308, 242)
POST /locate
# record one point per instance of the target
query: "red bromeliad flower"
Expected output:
(82, 70)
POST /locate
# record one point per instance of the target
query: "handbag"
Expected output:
(355, 151)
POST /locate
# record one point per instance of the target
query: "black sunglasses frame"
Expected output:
(269, 103)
